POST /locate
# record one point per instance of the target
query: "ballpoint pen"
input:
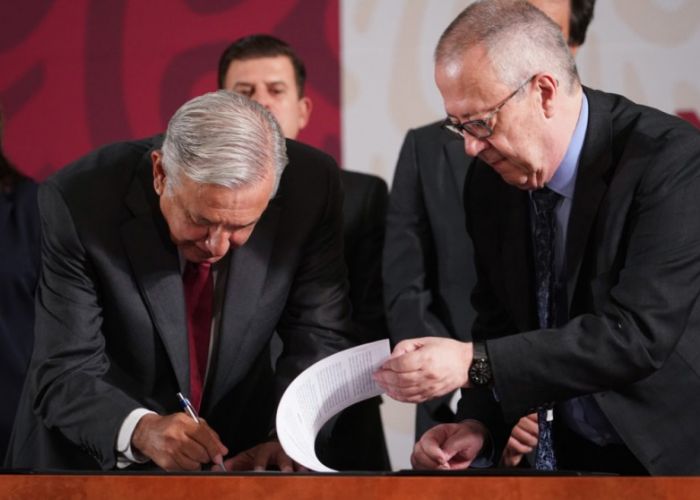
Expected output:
(189, 409)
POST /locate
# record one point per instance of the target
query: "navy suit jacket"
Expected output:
(633, 287)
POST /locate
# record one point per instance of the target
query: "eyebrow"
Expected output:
(244, 83)
(207, 222)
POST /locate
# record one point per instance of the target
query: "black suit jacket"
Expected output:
(19, 271)
(633, 289)
(354, 439)
(428, 258)
(111, 333)
(364, 211)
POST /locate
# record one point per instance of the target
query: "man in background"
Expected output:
(428, 257)
(269, 71)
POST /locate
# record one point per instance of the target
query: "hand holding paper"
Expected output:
(425, 368)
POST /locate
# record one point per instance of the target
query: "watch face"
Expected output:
(480, 372)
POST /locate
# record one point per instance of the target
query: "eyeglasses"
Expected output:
(480, 127)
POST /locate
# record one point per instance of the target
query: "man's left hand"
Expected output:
(265, 456)
(425, 368)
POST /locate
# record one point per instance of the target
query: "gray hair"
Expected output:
(520, 40)
(223, 138)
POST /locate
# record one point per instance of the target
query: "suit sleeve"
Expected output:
(408, 253)
(69, 364)
(316, 319)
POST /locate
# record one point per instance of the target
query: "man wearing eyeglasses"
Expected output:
(428, 259)
(582, 207)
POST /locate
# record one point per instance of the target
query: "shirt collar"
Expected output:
(564, 179)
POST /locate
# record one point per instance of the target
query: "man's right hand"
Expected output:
(449, 446)
(176, 442)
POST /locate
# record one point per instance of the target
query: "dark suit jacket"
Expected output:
(428, 257)
(633, 269)
(364, 212)
(354, 440)
(111, 333)
(19, 270)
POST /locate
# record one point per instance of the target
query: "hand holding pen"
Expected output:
(176, 442)
(189, 409)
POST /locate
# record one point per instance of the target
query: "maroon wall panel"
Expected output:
(77, 74)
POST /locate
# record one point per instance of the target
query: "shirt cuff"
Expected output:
(127, 456)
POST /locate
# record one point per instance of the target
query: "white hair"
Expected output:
(520, 40)
(223, 138)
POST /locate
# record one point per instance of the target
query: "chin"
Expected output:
(194, 254)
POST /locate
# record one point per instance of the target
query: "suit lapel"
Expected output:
(156, 269)
(595, 160)
(246, 276)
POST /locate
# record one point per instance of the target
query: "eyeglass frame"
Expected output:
(481, 123)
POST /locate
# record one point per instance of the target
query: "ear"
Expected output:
(548, 88)
(158, 172)
(305, 107)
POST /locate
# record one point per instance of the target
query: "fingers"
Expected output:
(398, 380)
(427, 454)
(510, 458)
(524, 435)
(424, 458)
(271, 454)
(466, 440)
(407, 362)
(268, 454)
(207, 438)
(422, 369)
(284, 463)
(522, 440)
(406, 346)
(448, 446)
(265, 456)
(242, 461)
(176, 442)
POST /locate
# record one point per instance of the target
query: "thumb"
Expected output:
(406, 346)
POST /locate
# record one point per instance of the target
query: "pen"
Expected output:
(189, 409)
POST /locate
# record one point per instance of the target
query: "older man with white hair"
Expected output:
(167, 265)
(583, 211)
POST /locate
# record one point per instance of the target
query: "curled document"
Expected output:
(321, 391)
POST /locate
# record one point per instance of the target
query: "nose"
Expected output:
(474, 146)
(217, 242)
(262, 97)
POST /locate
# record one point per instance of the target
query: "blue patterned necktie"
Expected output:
(544, 231)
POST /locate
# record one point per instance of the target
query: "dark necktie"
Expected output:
(544, 231)
(199, 297)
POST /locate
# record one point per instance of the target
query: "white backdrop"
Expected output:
(646, 50)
